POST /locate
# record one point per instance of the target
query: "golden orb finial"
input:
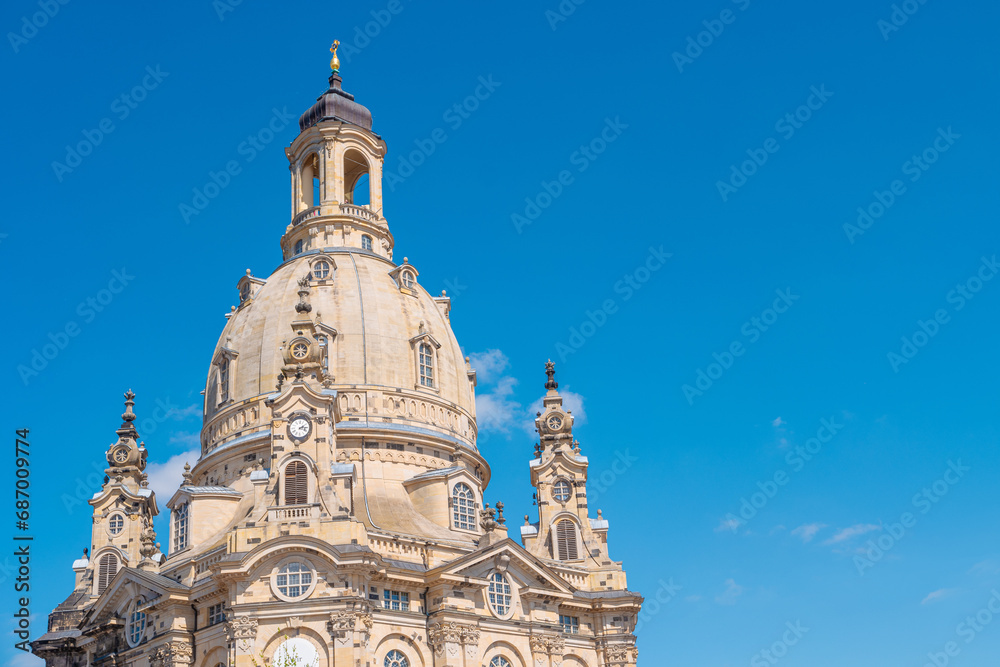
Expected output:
(335, 61)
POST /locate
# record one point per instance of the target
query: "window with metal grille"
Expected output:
(180, 516)
(296, 484)
(216, 614)
(106, 570)
(426, 365)
(395, 600)
(561, 490)
(463, 507)
(499, 594)
(224, 381)
(570, 624)
(566, 540)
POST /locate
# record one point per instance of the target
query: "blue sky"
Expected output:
(664, 200)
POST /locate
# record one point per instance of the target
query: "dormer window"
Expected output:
(321, 270)
(426, 362)
(224, 381)
(366, 242)
(244, 292)
(180, 527)
(408, 279)
(463, 508)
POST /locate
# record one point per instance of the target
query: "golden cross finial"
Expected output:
(335, 61)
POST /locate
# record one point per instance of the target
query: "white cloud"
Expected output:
(937, 595)
(496, 411)
(572, 402)
(488, 365)
(778, 422)
(733, 591)
(808, 531)
(190, 411)
(985, 568)
(852, 531)
(165, 478)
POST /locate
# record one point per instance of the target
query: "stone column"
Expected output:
(547, 650)
(350, 632)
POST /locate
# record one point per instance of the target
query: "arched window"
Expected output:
(426, 365)
(224, 380)
(463, 507)
(499, 594)
(180, 516)
(366, 242)
(500, 661)
(321, 270)
(357, 185)
(298, 247)
(561, 491)
(395, 658)
(566, 540)
(107, 568)
(408, 279)
(296, 484)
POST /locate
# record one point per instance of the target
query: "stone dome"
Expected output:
(372, 325)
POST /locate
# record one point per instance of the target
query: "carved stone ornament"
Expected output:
(243, 631)
(342, 623)
(547, 644)
(443, 634)
(174, 654)
(621, 654)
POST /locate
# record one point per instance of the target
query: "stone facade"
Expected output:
(336, 515)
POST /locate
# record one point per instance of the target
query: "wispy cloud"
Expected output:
(986, 567)
(166, 477)
(852, 531)
(183, 413)
(496, 410)
(778, 421)
(185, 438)
(807, 531)
(488, 365)
(733, 591)
(937, 595)
(727, 524)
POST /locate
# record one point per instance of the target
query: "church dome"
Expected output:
(372, 318)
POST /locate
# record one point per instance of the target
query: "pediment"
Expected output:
(130, 584)
(529, 573)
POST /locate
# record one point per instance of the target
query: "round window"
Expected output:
(135, 626)
(300, 350)
(561, 491)
(499, 661)
(321, 270)
(116, 524)
(407, 279)
(499, 594)
(294, 580)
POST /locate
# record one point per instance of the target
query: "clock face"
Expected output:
(555, 422)
(300, 350)
(299, 427)
(121, 455)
